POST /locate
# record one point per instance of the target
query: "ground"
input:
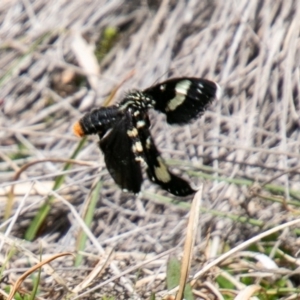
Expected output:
(59, 59)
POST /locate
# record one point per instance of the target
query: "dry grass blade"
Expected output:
(214, 290)
(25, 167)
(243, 246)
(33, 269)
(95, 272)
(111, 96)
(14, 218)
(189, 242)
(128, 271)
(248, 292)
(87, 60)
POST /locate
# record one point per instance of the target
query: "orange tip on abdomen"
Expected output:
(77, 129)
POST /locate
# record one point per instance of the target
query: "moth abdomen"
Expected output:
(98, 121)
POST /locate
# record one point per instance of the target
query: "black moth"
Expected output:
(124, 130)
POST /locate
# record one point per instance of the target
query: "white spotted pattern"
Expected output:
(140, 124)
(181, 89)
(132, 133)
(161, 171)
(137, 147)
(148, 143)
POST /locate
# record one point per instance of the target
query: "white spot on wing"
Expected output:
(141, 160)
(140, 124)
(182, 87)
(161, 172)
(137, 147)
(148, 143)
(132, 133)
(181, 90)
(162, 87)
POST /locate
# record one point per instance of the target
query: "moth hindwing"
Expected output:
(157, 170)
(125, 137)
(120, 157)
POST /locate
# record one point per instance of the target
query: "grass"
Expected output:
(44, 210)
(244, 149)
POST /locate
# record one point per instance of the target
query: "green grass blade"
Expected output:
(173, 272)
(82, 237)
(43, 212)
(173, 278)
(36, 285)
(17, 61)
(185, 205)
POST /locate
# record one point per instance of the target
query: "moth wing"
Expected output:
(158, 171)
(183, 99)
(119, 157)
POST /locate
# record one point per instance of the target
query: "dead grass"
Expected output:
(245, 149)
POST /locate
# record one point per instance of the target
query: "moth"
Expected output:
(124, 130)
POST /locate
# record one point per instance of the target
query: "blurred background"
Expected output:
(59, 59)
